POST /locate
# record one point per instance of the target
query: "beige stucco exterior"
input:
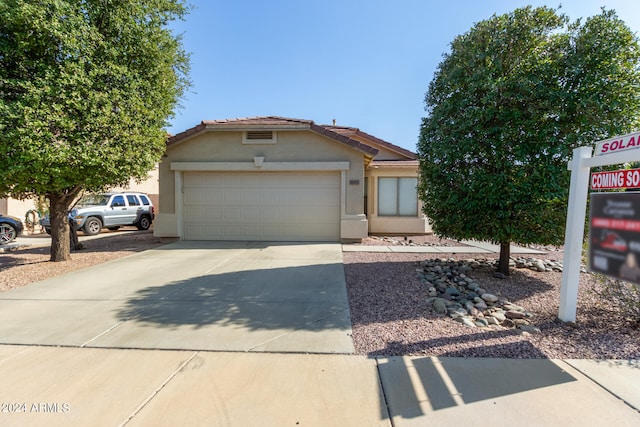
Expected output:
(295, 151)
(391, 162)
(297, 147)
(378, 224)
(148, 186)
(15, 207)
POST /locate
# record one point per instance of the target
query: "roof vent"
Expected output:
(260, 134)
(259, 137)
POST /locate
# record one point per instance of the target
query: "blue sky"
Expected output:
(364, 63)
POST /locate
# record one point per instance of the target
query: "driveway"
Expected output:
(231, 296)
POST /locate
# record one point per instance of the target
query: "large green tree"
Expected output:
(86, 89)
(505, 108)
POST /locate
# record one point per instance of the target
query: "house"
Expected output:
(283, 179)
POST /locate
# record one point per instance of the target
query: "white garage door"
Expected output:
(262, 206)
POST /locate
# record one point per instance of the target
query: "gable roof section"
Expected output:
(272, 123)
(351, 132)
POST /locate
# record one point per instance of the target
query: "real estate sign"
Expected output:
(614, 236)
(614, 220)
(608, 180)
(618, 143)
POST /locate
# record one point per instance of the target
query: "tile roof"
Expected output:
(273, 122)
(258, 121)
(345, 130)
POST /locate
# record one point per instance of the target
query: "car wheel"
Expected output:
(144, 223)
(114, 228)
(92, 226)
(7, 233)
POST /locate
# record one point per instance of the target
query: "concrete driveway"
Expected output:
(231, 296)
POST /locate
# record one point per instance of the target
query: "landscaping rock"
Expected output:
(539, 265)
(492, 320)
(511, 314)
(500, 317)
(481, 306)
(508, 323)
(454, 293)
(439, 306)
(490, 298)
(530, 329)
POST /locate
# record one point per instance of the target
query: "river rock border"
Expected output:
(454, 293)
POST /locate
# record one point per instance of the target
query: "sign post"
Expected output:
(574, 234)
(611, 151)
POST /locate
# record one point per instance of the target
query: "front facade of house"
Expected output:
(281, 179)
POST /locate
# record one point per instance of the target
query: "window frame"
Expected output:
(133, 198)
(398, 206)
(118, 197)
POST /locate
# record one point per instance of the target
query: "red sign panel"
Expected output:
(625, 178)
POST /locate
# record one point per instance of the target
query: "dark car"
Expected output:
(10, 228)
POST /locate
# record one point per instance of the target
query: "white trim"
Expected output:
(266, 166)
(613, 158)
(343, 194)
(179, 202)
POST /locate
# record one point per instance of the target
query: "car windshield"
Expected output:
(94, 200)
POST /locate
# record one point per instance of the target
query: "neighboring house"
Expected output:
(282, 179)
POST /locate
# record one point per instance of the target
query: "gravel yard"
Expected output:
(389, 309)
(391, 315)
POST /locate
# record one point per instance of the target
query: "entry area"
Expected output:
(192, 295)
(261, 206)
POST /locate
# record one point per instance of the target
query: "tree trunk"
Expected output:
(505, 254)
(60, 243)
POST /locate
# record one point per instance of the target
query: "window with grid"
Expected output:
(397, 196)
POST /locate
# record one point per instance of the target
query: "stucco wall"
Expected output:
(17, 208)
(292, 146)
(393, 224)
(149, 186)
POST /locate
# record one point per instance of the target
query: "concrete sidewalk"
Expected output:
(67, 365)
(58, 386)
(467, 247)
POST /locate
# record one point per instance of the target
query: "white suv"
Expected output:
(110, 210)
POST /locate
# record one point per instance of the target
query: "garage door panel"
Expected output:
(194, 197)
(251, 197)
(232, 197)
(231, 214)
(262, 206)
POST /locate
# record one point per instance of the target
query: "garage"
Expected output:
(261, 206)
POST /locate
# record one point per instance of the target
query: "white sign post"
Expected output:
(613, 151)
